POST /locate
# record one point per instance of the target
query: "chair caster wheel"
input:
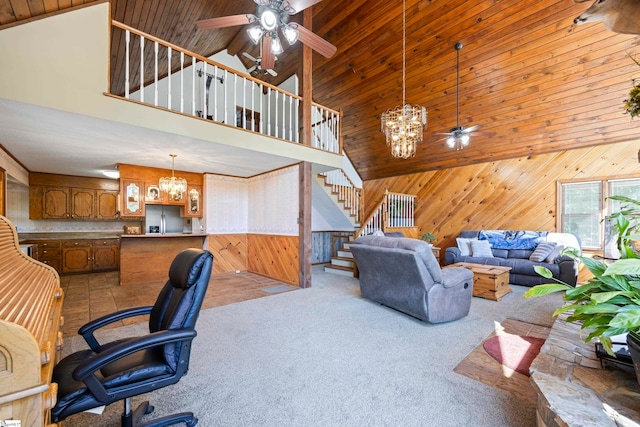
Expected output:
(149, 409)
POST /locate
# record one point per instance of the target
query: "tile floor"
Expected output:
(89, 296)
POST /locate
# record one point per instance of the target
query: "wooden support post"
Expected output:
(304, 227)
(307, 83)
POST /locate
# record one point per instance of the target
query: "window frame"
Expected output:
(604, 205)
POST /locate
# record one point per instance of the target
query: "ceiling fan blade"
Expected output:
(441, 133)
(252, 69)
(472, 128)
(299, 5)
(315, 42)
(267, 61)
(484, 133)
(251, 58)
(225, 21)
(273, 73)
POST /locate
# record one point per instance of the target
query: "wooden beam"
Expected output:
(304, 226)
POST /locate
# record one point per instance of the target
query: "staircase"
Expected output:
(342, 263)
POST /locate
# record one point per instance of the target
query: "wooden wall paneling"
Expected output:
(229, 252)
(148, 174)
(321, 250)
(274, 256)
(507, 194)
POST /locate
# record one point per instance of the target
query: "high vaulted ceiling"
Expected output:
(526, 72)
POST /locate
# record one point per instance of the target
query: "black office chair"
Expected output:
(128, 367)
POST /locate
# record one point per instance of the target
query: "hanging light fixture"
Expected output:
(172, 185)
(269, 19)
(403, 126)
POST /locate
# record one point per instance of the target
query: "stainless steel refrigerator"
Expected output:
(164, 219)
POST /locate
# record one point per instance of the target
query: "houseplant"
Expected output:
(609, 303)
(632, 104)
(430, 238)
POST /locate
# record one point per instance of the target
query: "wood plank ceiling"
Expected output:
(526, 72)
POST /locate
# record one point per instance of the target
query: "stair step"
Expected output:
(342, 271)
(345, 254)
(342, 262)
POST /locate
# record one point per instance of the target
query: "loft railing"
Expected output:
(164, 75)
(393, 211)
(346, 192)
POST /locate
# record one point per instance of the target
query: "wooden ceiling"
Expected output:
(526, 72)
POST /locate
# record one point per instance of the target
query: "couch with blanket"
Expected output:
(521, 250)
(403, 274)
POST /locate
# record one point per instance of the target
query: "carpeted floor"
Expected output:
(324, 356)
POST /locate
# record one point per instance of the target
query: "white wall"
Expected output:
(265, 204)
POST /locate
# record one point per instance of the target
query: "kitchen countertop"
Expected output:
(68, 235)
(156, 235)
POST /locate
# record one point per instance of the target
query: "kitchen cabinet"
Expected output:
(55, 202)
(132, 203)
(76, 256)
(153, 195)
(107, 204)
(193, 202)
(105, 254)
(72, 203)
(48, 252)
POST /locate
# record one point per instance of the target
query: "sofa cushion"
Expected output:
(464, 244)
(481, 248)
(542, 251)
(555, 253)
(526, 267)
(519, 253)
(500, 253)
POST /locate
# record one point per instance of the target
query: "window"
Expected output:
(584, 205)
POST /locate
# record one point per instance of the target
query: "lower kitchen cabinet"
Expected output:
(79, 255)
(106, 254)
(76, 256)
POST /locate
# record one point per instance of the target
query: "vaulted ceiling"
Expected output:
(527, 73)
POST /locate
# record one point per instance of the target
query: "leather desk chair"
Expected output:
(128, 367)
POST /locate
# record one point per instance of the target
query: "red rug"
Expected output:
(514, 351)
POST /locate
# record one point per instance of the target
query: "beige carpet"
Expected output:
(480, 366)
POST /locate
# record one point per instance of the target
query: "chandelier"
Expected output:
(269, 19)
(403, 126)
(172, 185)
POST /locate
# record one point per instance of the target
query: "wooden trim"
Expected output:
(2, 147)
(304, 227)
(50, 14)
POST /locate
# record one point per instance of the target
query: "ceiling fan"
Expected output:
(270, 16)
(257, 67)
(459, 136)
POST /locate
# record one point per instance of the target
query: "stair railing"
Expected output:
(348, 194)
(163, 75)
(394, 210)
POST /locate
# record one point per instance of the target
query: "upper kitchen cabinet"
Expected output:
(148, 179)
(193, 203)
(54, 196)
(132, 197)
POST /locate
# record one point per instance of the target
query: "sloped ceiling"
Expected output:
(527, 73)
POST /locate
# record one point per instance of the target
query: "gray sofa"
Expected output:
(522, 271)
(403, 274)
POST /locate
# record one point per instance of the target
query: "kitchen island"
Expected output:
(146, 258)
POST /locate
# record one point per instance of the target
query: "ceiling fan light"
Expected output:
(290, 33)
(269, 19)
(464, 139)
(276, 46)
(255, 34)
(451, 142)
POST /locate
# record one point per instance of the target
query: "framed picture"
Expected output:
(153, 192)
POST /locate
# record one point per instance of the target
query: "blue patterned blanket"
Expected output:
(513, 239)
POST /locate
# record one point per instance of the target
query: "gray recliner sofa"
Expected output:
(403, 274)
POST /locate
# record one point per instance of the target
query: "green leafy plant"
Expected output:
(609, 303)
(429, 238)
(632, 104)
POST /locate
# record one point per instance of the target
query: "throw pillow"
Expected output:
(554, 254)
(481, 249)
(542, 251)
(464, 245)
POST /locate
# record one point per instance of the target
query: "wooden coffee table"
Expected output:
(489, 281)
